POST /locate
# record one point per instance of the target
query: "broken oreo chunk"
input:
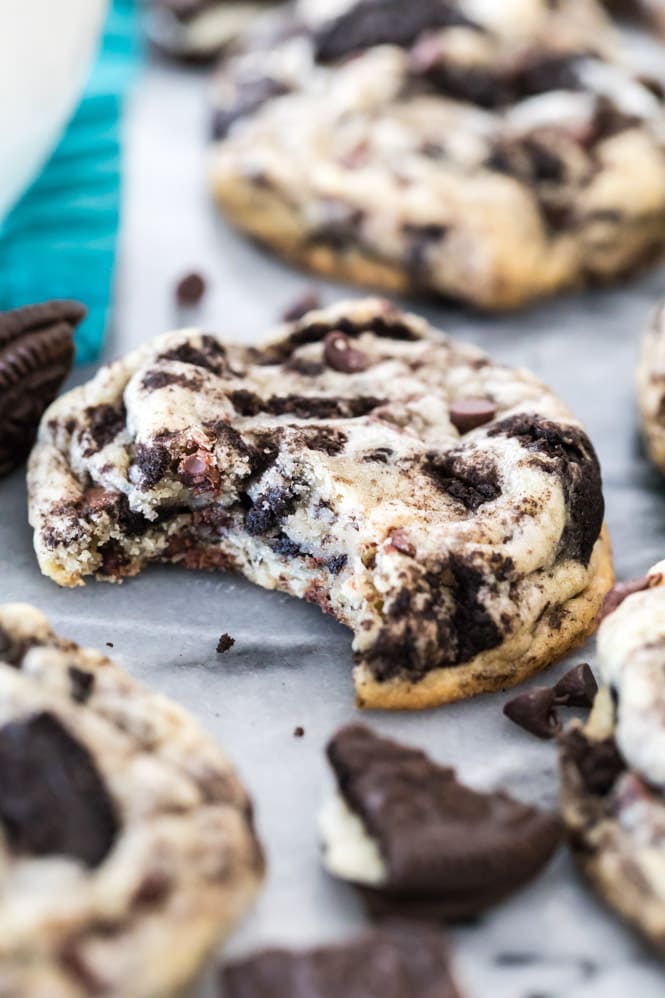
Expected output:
(417, 842)
(250, 96)
(36, 353)
(391, 22)
(397, 961)
(53, 801)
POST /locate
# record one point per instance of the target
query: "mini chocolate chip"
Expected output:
(622, 590)
(53, 801)
(299, 732)
(190, 289)
(401, 543)
(577, 688)
(81, 682)
(225, 642)
(470, 413)
(309, 301)
(197, 472)
(342, 356)
(534, 711)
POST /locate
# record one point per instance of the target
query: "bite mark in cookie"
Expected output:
(462, 543)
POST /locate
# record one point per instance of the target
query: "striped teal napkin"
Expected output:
(60, 240)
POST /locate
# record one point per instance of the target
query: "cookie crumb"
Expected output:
(190, 289)
(225, 642)
(298, 732)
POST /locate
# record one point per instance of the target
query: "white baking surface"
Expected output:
(290, 666)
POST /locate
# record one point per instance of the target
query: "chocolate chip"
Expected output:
(36, 353)
(535, 712)
(622, 590)
(341, 355)
(190, 289)
(52, 798)
(399, 961)
(469, 413)
(445, 846)
(225, 642)
(577, 688)
(198, 472)
(298, 732)
(82, 683)
(307, 302)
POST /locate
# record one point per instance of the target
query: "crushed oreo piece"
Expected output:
(398, 961)
(53, 800)
(36, 354)
(190, 289)
(225, 642)
(342, 356)
(577, 688)
(535, 711)
(250, 96)
(599, 763)
(82, 684)
(449, 851)
(469, 413)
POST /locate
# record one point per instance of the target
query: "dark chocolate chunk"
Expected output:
(268, 510)
(36, 353)
(469, 413)
(82, 683)
(190, 289)
(598, 763)
(250, 95)
(464, 477)
(309, 301)
(577, 688)
(564, 450)
(342, 356)
(391, 22)
(53, 800)
(225, 642)
(622, 590)
(535, 712)
(153, 462)
(445, 846)
(398, 961)
(104, 423)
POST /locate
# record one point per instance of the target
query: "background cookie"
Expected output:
(651, 388)
(126, 840)
(613, 770)
(494, 153)
(447, 509)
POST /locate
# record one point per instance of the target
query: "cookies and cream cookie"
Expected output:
(613, 769)
(446, 508)
(127, 847)
(492, 152)
(651, 388)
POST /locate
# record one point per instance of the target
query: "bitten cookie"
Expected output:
(651, 388)
(198, 30)
(613, 769)
(492, 152)
(445, 508)
(418, 843)
(126, 840)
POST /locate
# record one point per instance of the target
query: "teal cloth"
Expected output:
(60, 240)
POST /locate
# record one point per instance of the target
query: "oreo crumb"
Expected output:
(190, 289)
(298, 732)
(225, 642)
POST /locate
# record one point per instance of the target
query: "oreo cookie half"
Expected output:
(36, 353)
(417, 842)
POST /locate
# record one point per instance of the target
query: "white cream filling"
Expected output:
(631, 652)
(349, 852)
